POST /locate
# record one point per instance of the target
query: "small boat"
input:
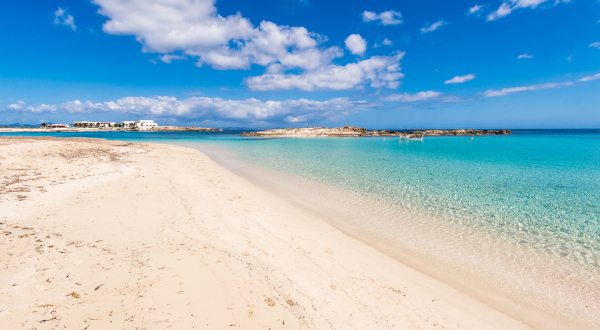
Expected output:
(411, 137)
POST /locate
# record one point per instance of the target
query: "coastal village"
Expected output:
(140, 124)
(97, 126)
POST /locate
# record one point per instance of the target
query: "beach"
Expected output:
(110, 234)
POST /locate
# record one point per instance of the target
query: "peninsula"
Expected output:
(353, 131)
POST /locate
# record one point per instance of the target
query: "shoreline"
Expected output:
(348, 131)
(177, 239)
(535, 289)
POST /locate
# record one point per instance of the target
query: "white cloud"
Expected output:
(508, 6)
(570, 58)
(524, 56)
(62, 18)
(194, 29)
(595, 44)
(378, 71)
(420, 96)
(168, 58)
(356, 44)
(17, 106)
(588, 78)
(215, 109)
(389, 17)
(20, 106)
(461, 79)
(475, 10)
(433, 26)
(385, 42)
(506, 91)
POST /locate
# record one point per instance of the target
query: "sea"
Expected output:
(513, 220)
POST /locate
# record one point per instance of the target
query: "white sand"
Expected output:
(156, 237)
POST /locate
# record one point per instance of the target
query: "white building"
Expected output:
(106, 124)
(146, 124)
(85, 124)
(141, 124)
(103, 124)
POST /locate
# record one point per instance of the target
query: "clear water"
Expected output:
(537, 190)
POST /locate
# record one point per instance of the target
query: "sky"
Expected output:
(288, 63)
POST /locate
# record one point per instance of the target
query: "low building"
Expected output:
(141, 124)
(106, 124)
(146, 124)
(94, 124)
(85, 124)
(58, 126)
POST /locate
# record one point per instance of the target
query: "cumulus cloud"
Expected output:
(377, 71)
(215, 109)
(506, 91)
(420, 96)
(168, 58)
(62, 18)
(461, 79)
(194, 29)
(524, 56)
(475, 10)
(20, 106)
(385, 42)
(389, 17)
(508, 6)
(17, 106)
(433, 26)
(595, 44)
(588, 78)
(356, 44)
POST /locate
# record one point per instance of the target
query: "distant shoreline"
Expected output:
(102, 130)
(348, 131)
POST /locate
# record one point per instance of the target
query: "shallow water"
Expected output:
(534, 193)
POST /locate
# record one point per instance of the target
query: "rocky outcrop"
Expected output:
(312, 131)
(462, 132)
(349, 131)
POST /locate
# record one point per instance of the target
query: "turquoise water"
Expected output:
(534, 188)
(538, 188)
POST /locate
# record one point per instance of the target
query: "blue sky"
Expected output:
(276, 63)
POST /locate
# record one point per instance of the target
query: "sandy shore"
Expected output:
(106, 234)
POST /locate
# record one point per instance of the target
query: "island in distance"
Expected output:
(348, 131)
